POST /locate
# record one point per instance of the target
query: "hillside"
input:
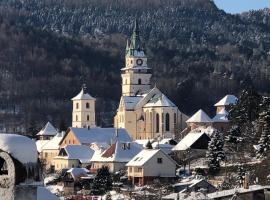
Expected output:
(198, 53)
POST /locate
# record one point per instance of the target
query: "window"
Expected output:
(167, 121)
(139, 81)
(157, 123)
(159, 160)
(126, 81)
(174, 118)
(87, 105)
(130, 169)
(76, 117)
(88, 117)
(77, 105)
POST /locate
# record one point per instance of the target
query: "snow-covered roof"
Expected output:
(20, 147)
(108, 135)
(40, 144)
(78, 152)
(131, 102)
(159, 100)
(118, 152)
(99, 146)
(188, 141)
(53, 144)
(78, 172)
(224, 193)
(143, 142)
(221, 116)
(199, 116)
(227, 100)
(83, 96)
(144, 156)
(167, 148)
(48, 129)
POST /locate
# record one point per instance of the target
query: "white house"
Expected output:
(116, 156)
(47, 132)
(150, 164)
(73, 156)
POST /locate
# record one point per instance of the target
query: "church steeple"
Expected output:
(136, 74)
(134, 45)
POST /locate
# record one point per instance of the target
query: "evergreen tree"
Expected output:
(234, 136)
(32, 129)
(102, 182)
(264, 142)
(215, 152)
(246, 112)
(62, 125)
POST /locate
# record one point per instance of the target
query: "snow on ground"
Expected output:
(55, 189)
(45, 194)
(49, 178)
(20, 147)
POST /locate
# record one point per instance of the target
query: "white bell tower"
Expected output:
(136, 74)
(83, 114)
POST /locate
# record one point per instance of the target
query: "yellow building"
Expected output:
(144, 112)
(83, 113)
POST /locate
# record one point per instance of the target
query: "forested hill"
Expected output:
(198, 53)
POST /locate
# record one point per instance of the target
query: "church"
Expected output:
(145, 112)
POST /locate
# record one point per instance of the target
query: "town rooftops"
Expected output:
(48, 129)
(199, 116)
(131, 102)
(117, 152)
(78, 172)
(221, 116)
(83, 95)
(77, 152)
(100, 135)
(227, 100)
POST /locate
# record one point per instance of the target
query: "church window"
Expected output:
(76, 117)
(157, 123)
(126, 81)
(87, 105)
(139, 81)
(174, 118)
(162, 118)
(88, 117)
(77, 105)
(167, 122)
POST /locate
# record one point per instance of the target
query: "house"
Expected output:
(116, 156)
(221, 122)
(47, 132)
(200, 118)
(50, 150)
(88, 136)
(150, 164)
(72, 156)
(226, 102)
(145, 112)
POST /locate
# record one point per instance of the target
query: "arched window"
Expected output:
(88, 118)
(76, 117)
(77, 105)
(157, 123)
(87, 105)
(174, 118)
(139, 81)
(167, 121)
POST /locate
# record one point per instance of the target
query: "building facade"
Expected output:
(83, 113)
(144, 112)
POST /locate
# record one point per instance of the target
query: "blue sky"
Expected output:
(238, 6)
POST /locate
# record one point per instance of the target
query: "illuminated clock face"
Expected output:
(139, 61)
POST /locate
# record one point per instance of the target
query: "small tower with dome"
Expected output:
(83, 113)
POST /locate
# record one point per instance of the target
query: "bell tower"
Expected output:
(83, 114)
(136, 74)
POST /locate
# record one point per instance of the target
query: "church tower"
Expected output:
(136, 74)
(83, 114)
